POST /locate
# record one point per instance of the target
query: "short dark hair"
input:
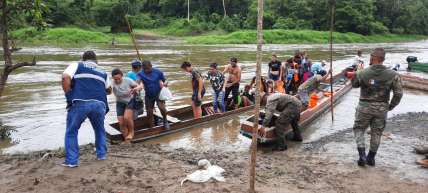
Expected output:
(214, 65)
(146, 62)
(186, 64)
(116, 71)
(89, 55)
(234, 59)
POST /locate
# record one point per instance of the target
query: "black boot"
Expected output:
(297, 136)
(371, 158)
(363, 159)
(280, 145)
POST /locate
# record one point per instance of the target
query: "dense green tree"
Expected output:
(360, 16)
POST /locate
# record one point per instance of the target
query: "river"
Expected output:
(34, 105)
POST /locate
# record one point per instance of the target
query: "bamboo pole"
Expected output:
(332, 13)
(257, 106)
(131, 33)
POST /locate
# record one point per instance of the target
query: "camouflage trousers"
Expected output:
(290, 116)
(373, 116)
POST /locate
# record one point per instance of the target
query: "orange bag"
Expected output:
(313, 100)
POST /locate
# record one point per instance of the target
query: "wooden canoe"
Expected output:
(179, 119)
(414, 82)
(341, 86)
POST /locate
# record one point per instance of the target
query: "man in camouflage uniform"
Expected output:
(376, 83)
(289, 108)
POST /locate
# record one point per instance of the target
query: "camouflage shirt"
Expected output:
(376, 83)
(279, 102)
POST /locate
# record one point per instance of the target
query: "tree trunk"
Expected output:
(188, 10)
(224, 8)
(7, 53)
(257, 105)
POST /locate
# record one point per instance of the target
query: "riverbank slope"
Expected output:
(326, 165)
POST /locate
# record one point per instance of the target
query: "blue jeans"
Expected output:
(78, 112)
(218, 101)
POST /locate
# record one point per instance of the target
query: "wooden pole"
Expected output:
(131, 33)
(332, 13)
(224, 9)
(188, 10)
(257, 106)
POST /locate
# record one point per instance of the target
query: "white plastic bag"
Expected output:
(165, 94)
(206, 172)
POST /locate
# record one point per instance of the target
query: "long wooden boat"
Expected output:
(414, 82)
(341, 86)
(179, 119)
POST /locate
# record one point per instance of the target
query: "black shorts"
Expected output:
(121, 107)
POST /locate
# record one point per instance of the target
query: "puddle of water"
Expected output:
(34, 104)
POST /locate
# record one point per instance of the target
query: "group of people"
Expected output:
(376, 82)
(86, 88)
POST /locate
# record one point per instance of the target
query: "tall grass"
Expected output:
(298, 36)
(63, 36)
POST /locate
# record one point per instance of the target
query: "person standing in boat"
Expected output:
(86, 87)
(136, 66)
(358, 60)
(376, 83)
(233, 71)
(217, 81)
(275, 73)
(289, 108)
(198, 89)
(152, 79)
(127, 107)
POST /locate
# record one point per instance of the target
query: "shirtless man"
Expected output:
(233, 78)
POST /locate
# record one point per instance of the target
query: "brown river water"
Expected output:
(34, 105)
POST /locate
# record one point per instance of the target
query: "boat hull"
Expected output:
(179, 119)
(414, 82)
(306, 117)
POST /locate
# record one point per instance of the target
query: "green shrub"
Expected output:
(228, 24)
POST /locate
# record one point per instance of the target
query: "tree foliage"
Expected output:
(359, 16)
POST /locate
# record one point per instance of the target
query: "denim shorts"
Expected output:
(121, 107)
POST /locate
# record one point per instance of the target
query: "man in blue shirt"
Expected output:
(318, 68)
(153, 80)
(86, 88)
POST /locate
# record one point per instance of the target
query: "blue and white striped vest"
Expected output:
(89, 83)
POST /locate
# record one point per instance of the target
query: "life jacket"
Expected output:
(296, 72)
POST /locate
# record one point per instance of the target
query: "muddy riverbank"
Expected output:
(323, 165)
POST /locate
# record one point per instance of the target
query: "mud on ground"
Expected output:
(326, 165)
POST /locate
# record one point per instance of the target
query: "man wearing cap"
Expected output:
(136, 68)
(234, 78)
(376, 83)
(86, 88)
